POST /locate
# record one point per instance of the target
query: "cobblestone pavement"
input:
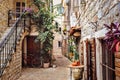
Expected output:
(61, 72)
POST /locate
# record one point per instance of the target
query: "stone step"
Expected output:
(3, 59)
(2, 66)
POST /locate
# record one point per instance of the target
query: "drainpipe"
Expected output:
(68, 24)
(16, 36)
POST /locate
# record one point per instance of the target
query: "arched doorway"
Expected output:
(30, 50)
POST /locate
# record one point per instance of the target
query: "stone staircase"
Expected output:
(14, 66)
(11, 50)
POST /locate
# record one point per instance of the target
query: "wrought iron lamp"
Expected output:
(10, 14)
(95, 24)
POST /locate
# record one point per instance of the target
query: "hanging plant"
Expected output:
(28, 11)
(112, 37)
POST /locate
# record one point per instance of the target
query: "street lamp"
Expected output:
(10, 14)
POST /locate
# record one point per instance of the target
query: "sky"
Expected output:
(56, 2)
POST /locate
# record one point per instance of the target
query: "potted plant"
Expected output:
(45, 28)
(43, 18)
(112, 37)
(46, 61)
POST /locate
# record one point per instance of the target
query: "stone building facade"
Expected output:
(5, 6)
(13, 68)
(94, 14)
(102, 12)
(98, 64)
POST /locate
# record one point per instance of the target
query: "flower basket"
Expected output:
(76, 34)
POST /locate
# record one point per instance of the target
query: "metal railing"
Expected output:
(8, 44)
(108, 67)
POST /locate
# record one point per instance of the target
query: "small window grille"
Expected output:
(59, 44)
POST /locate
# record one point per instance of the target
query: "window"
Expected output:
(20, 6)
(108, 62)
(59, 29)
(59, 44)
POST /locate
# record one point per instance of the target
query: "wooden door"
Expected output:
(89, 70)
(32, 47)
(108, 64)
(91, 60)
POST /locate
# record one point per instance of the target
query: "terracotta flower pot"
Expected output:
(118, 47)
(76, 74)
(76, 34)
(74, 64)
(46, 65)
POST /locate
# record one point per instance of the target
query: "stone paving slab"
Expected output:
(61, 72)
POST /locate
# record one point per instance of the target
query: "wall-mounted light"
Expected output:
(10, 14)
(95, 25)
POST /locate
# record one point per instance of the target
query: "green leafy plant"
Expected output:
(113, 35)
(44, 18)
(73, 49)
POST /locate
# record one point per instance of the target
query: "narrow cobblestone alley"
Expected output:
(61, 72)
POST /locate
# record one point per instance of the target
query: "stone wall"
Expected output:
(117, 65)
(100, 11)
(14, 67)
(13, 70)
(5, 5)
(56, 47)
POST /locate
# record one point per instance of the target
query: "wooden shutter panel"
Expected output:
(82, 53)
(87, 56)
(93, 58)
